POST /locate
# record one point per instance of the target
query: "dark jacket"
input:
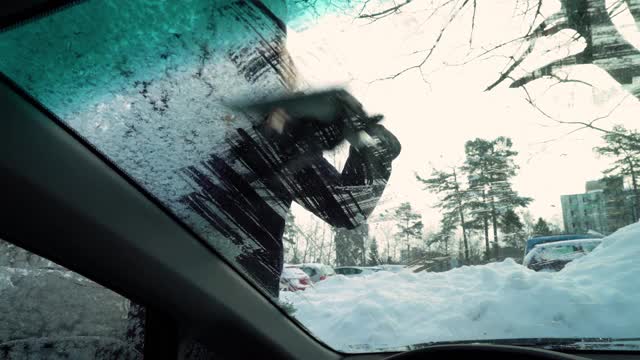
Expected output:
(245, 192)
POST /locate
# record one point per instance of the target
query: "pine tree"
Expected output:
(618, 211)
(409, 225)
(541, 228)
(446, 234)
(453, 202)
(624, 146)
(512, 228)
(374, 258)
(290, 236)
(489, 166)
(529, 222)
(350, 245)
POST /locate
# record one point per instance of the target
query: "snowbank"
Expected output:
(595, 296)
(75, 347)
(41, 303)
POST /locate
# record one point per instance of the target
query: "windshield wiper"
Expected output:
(596, 343)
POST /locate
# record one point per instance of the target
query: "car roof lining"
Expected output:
(64, 202)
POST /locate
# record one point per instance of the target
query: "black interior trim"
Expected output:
(589, 354)
(60, 200)
(490, 351)
(160, 335)
(15, 13)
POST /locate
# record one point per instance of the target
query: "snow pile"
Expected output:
(75, 347)
(594, 296)
(41, 303)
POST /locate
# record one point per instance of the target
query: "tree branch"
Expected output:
(516, 62)
(582, 124)
(452, 17)
(384, 12)
(473, 23)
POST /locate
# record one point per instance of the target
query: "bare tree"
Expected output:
(453, 201)
(592, 22)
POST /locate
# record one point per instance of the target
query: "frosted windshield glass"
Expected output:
(395, 174)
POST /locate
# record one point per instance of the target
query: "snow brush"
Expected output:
(326, 107)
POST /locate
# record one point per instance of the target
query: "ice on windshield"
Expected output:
(428, 144)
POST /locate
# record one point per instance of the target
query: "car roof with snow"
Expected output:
(392, 267)
(532, 242)
(567, 243)
(541, 250)
(290, 271)
(314, 265)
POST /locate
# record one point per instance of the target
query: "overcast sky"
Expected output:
(433, 114)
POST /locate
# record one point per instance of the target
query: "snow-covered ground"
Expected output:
(594, 296)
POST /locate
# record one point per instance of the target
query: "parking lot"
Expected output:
(593, 296)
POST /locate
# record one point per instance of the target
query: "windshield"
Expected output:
(428, 139)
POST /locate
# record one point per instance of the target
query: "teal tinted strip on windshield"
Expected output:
(97, 47)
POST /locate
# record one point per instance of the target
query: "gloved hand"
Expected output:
(299, 141)
(372, 163)
(386, 146)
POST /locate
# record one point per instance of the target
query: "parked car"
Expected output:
(317, 272)
(356, 270)
(554, 256)
(294, 279)
(532, 242)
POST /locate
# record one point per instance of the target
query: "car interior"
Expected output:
(63, 200)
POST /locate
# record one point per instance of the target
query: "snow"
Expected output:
(293, 273)
(393, 268)
(75, 347)
(49, 312)
(593, 296)
(37, 303)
